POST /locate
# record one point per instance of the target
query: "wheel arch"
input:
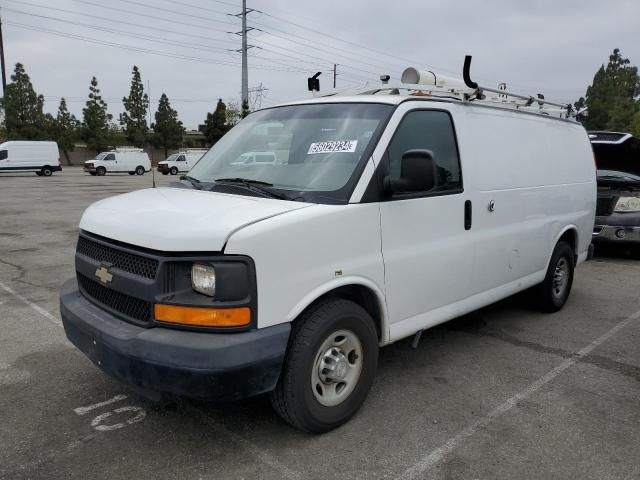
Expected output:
(568, 234)
(360, 290)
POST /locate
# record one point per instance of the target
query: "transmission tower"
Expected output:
(255, 96)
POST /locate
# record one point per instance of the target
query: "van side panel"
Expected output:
(539, 175)
(307, 252)
(29, 155)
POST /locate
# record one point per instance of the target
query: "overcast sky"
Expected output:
(553, 47)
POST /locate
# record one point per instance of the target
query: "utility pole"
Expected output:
(245, 72)
(244, 87)
(335, 74)
(4, 75)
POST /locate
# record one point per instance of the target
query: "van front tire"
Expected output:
(552, 293)
(174, 171)
(329, 367)
(101, 171)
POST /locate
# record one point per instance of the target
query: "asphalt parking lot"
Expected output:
(503, 393)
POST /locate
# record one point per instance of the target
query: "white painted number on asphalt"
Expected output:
(98, 422)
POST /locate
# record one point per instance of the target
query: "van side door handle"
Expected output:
(468, 213)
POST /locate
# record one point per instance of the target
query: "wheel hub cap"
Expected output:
(560, 277)
(337, 368)
(333, 366)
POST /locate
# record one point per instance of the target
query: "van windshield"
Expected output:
(310, 152)
(172, 158)
(101, 156)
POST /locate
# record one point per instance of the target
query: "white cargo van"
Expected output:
(398, 209)
(43, 158)
(181, 162)
(121, 160)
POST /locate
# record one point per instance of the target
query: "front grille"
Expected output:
(604, 206)
(131, 307)
(125, 261)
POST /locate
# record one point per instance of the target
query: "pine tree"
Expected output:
(24, 118)
(96, 132)
(65, 129)
(612, 98)
(167, 130)
(215, 126)
(134, 118)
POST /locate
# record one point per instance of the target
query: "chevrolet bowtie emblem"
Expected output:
(103, 274)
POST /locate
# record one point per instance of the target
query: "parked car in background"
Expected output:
(121, 160)
(43, 158)
(181, 162)
(617, 157)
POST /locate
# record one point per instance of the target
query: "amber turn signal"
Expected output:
(203, 316)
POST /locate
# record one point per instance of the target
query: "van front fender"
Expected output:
(335, 284)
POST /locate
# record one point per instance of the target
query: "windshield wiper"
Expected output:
(197, 184)
(254, 186)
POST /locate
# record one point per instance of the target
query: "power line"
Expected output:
(123, 22)
(154, 7)
(122, 10)
(120, 32)
(177, 12)
(137, 49)
(136, 25)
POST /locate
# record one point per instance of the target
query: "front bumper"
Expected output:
(619, 234)
(227, 366)
(89, 169)
(163, 168)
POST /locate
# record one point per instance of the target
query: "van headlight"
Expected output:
(203, 279)
(628, 204)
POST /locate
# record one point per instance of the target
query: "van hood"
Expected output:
(179, 220)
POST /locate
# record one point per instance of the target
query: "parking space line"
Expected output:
(257, 452)
(435, 456)
(83, 410)
(29, 303)
(254, 450)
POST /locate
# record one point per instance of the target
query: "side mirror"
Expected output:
(417, 173)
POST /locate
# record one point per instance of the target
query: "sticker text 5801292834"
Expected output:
(333, 146)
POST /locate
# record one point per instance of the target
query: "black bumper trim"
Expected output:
(218, 366)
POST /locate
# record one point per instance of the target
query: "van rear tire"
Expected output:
(131, 173)
(311, 397)
(46, 171)
(38, 173)
(139, 170)
(553, 292)
(101, 171)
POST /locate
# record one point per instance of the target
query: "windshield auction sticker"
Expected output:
(334, 146)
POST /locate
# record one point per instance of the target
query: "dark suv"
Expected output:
(617, 157)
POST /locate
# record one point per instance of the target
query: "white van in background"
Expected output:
(182, 161)
(121, 160)
(43, 158)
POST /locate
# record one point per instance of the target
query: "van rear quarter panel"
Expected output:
(540, 175)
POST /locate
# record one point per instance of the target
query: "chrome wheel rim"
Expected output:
(337, 368)
(560, 278)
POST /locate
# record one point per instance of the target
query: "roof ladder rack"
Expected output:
(502, 91)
